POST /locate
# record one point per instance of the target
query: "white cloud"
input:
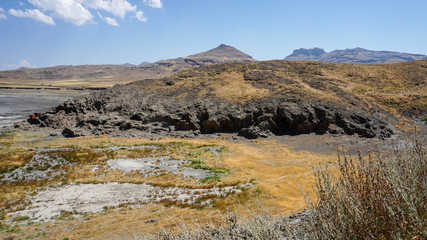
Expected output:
(22, 63)
(25, 63)
(2, 15)
(69, 10)
(33, 14)
(79, 12)
(140, 16)
(111, 21)
(116, 7)
(154, 3)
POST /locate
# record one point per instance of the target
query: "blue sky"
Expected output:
(39, 33)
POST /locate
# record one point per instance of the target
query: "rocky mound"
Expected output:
(354, 55)
(252, 99)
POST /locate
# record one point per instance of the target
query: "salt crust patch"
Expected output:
(150, 166)
(93, 198)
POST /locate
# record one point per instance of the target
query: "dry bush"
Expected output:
(381, 196)
(257, 226)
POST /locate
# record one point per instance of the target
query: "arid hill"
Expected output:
(109, 75)
(254, 99)
(355, 55)
(220, 54)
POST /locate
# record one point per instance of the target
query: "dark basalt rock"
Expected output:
(122, 109)
(74, 132)
(153, 107)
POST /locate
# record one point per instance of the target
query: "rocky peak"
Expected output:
(223, 51)
(350, 51)
(359, 49)
(308, 52)
(223, 46)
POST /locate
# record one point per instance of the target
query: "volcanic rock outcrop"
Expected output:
(252, 99)
(353, 55)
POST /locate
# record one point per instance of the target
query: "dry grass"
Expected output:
(275, 169)
(383, 196)
(398, 88)
(232, 87)
(62, 83)
(379, 196)
(259, 225)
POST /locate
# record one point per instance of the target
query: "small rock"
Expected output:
(34, 121)
(55, 134)
(69, 133)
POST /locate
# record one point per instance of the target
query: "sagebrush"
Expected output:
(379, 196)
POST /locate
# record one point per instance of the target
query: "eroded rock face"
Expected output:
(190, 103)
(123, 108)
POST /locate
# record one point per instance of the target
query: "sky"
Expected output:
(43, 33)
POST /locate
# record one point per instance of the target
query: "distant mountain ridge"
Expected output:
(223, 51)
(119, 74)
(354, 55)
(221, 54)
(144, 63)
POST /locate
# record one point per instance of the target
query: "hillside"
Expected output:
(254, 99)
(148, 165)
(355, 55)
(95, 76)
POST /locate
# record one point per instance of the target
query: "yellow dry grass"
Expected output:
(277, 171)
(94, 82)
(232, 87)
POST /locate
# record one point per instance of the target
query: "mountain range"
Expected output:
(109, 75)
(354, 55)
(101, 76)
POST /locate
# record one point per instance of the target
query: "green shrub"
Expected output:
(20, 218)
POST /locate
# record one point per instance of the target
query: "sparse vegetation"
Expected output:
(271, 173)
(200, 164)
(6, 134)
(381, 196)
(260, 225)
(20, 218)
(85, 153)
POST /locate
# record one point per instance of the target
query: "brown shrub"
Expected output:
(381, 196)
